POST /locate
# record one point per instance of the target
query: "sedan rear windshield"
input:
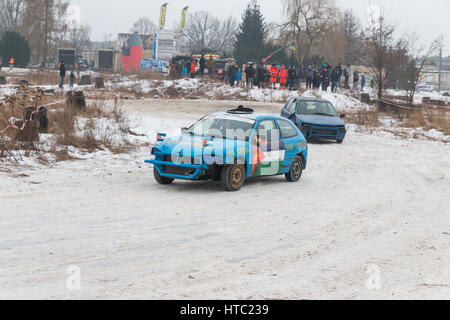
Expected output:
(223, 127)
(317, 108)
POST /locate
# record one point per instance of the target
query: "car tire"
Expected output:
(160, 179)
(296, 170)
(233, 177)
(339, 141)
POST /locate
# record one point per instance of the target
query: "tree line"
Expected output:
(42, 26)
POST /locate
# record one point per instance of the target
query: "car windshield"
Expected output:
(317, 108)
(223, 127)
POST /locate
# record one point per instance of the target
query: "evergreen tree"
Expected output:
(14, 45)
(249, 44)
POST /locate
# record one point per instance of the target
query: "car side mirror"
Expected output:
(342, 116)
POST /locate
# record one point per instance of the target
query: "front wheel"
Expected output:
(339, 141)
(160, 179)
(233, 177)
(295, 172)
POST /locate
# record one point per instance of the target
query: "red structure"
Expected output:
(132, 52)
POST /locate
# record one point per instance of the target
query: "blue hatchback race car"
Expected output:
(316, 118)
(231, 147)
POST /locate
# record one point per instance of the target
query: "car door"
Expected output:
(290, 108)
(267, 149)
(290, 139)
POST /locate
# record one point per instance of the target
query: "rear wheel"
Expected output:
(233, 177)
(160, 179)
(339, 141)
(296, 170)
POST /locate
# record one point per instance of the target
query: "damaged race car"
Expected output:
(231, 147)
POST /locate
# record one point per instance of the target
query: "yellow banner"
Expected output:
(183, 18)
(162, 17)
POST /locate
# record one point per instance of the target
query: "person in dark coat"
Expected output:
(292, 75)
(250, 75)
(62, 73)
(72, 79)
(334, 80)
(310, 78)
(346, 77)
(232, 71)
(260, 75)
(316, 79)
(340, 72)
(202, 65)
(324, 77)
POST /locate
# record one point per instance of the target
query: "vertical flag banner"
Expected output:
(155, 47)
(162, 17)
(183, 18)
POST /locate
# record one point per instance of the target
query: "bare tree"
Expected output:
(204, 31)
(11, 13)
(45, 26)
(351, 27)
(80, 38)
(145, 27)
(379, 49)
(419, 57)
(309, 20)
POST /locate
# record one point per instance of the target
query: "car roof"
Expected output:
(311, 99)
(250, 116)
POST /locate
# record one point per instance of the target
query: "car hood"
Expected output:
(321, 120)
(193, 146)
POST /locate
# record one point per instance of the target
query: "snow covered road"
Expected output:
(369, 219)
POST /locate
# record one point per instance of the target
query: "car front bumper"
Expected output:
(324, 132)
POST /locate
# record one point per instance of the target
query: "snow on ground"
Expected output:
(377, 203)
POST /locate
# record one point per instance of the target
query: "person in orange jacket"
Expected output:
(11, 63)
(283, 77)
(193, 68)
(273, 75)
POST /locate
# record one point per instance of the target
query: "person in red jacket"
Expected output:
(283, 77)
(193, 68)
(273, 76)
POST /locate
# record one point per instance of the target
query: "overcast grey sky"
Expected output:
(429, 18)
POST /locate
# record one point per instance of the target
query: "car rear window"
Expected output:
(287, 129)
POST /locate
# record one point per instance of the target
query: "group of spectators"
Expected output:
(273, 76)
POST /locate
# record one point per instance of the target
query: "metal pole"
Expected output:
(440, 70)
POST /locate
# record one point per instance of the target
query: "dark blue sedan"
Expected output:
(316, 118)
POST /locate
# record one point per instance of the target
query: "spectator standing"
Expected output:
(292, 74)
(347, 77)
(210, 65)
(334, 80)
(179, 69)
(62, 73)
(232, 71)
(250, 75)
(193, 68)
(227, 70)
(202, 64)
(355, 80)
(340, 72)
(363, 82)
(324, 77)
(238, 75)
(72, 79)
(273, 76)
(310, 78)
(283, 77)
(260, 75)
